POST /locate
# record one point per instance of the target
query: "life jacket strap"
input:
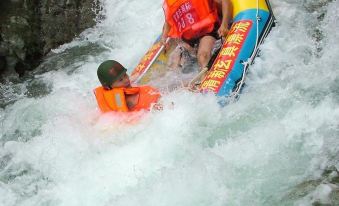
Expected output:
(113, 99)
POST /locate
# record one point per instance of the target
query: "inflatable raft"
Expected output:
(252, 21)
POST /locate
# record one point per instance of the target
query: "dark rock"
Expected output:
(3, 64)
(317, 203)
(330, 177)
(29, 29)
(20, 68)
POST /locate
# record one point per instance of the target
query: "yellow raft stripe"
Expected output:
(242, 5)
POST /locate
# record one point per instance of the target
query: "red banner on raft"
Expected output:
(227, 56)
(145, 62)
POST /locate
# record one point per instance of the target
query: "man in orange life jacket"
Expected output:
(117, 94)
(196, 22)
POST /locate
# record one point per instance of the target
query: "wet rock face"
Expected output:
(29, 29)
(2, 63)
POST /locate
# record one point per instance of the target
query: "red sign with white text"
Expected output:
(145, 62)
(227, 56)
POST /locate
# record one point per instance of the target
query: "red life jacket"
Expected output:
(115, 99)
(190, 19)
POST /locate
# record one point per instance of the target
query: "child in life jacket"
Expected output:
(197, 23)
(117, 94)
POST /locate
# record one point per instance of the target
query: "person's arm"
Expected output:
(226, 16)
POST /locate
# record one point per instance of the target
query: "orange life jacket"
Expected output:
(115, 99)
(190, 18)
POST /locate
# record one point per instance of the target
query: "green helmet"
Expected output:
(109, 71)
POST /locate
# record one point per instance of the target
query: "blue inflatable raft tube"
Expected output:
(252, 20)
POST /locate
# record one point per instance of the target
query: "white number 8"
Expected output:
(190, 18)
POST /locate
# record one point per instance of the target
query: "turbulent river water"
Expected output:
(277, 145)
